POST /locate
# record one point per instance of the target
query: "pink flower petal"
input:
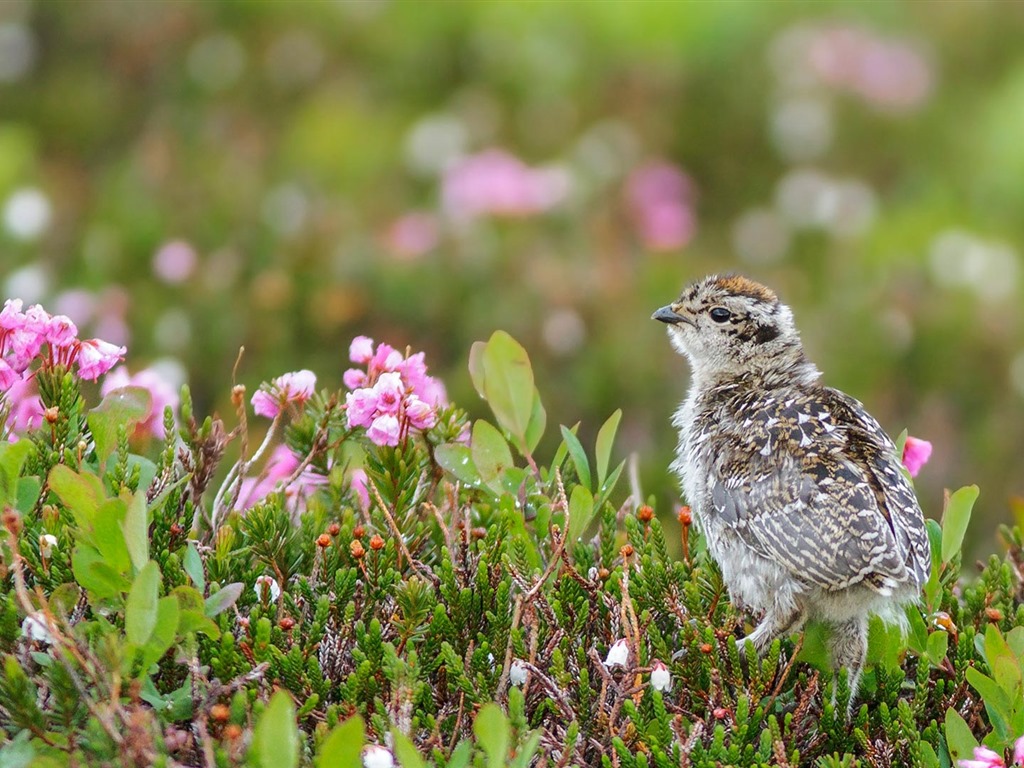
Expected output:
(916, 454)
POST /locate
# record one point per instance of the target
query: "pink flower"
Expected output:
(96, 357)
(161, 395)
(60, 331)
(916, 454)
(354, 378)
(11, 316)
(390, 392)
(358, 481)
(361, 350)
(384, 430)
(984, 758)
(295, 388)
(1018, 751)
(497, 183)
(385, 359)
(280, 466)
(26, 407)
(421, 415)
(360, 407)
(8, 376)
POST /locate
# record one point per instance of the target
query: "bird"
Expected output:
(797, 489)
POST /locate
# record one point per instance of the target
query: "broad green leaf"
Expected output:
(938, 645)
(27, 493)
(508, 382)
(885, 645)
(491, 731)
(538, 422)
(457, 459)
(997, 704)
(12, 459)
(528, 751)
(193, 565)
(343, 746)
(164, 631)
(959, 739)
(188, 598)
(609, 485)
(476, 368)
(490, 454)
(81, 494)
(928, 757)
(123, 406)
(406, 752)
(198, 622)
(110, 539)
(223, 598)
(578, 455)
(136, 530)
(275, 739)
(461, 755)
(581, 512)
(140, 611)
(1015, 641)
(933, 587)
(955, 518)
(174, 706)
(94, 575)
(603, 445)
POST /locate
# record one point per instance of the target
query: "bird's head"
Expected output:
(728, 325)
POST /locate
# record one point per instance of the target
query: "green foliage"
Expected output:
(459, 619)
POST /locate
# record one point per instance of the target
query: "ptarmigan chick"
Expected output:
(796, 488)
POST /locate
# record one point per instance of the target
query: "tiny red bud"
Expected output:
(334, 529)
(286, 623)
(376, 543)
(219, 713)
(12, 521)
(603, 574)
(176, 529)
(645, 514)
(356, 548)
(720, 713)
(359, 531)
(993, 614)
(479, 533)
(323, 540)
(626, 551)
(685, 516)
(232, 731)
(705, 647)
(51, 414)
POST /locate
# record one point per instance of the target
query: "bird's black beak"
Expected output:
(669, 315)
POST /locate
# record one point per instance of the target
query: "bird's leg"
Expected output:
(848, 647)
(775, 623)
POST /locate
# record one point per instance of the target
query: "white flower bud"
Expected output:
(592, 572)
(34, 627)
(517, 672)
(266, 584)
(46, 544)
(375, 756)
(661, 678)
(618, 654)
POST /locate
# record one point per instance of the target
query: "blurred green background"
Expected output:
(190, 177)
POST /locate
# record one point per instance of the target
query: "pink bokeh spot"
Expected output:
(660, 201)
(497, 183)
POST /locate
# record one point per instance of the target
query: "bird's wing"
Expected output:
(819, 495)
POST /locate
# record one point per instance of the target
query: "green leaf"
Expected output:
(457, 460)
(93, 574)
(538, 422)
(461, 755)
(476, 367)
(959, 739)
(490, 453)
(109, 538)
(491, 731)
(12, 459)
(123, 406)
(508, 382)
(164, 630)
(140, 612)
(955, 518)
(938, 645)
(223, 598)
(136, 530)
(27, 493)
(343, 746)
(407, 754)
(578, 455)
(581, 512)
(198, 622)
(174, 706)
(997, 704)
(81, 494)
(193, 565)
(603, 445)
(275, 739)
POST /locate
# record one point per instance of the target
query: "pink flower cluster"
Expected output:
(293, 388)
(392, 395)
(160, 392)
(916, 453)
(989, 758)
(660, 201)
(24, 335)
(497, 183)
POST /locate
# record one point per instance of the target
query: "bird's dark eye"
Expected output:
(720, 314)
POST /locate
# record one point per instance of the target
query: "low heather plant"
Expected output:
(381, 582)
